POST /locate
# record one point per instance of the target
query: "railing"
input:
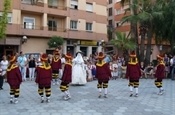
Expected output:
(56, 29)
(57, 7)
(32, 27)
(33, 2)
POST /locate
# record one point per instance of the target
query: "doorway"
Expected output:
(9, 52)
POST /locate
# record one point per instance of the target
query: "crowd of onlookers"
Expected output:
(117, 65)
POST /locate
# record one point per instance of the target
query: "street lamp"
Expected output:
(24, 39)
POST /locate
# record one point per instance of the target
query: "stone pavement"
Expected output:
(85, 100)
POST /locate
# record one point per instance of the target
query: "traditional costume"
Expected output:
(44, 78)
(14, 79)
(79, 74)
(160, 74)
(56, 66)
(133, 73)
(67, 77)
(103, 74)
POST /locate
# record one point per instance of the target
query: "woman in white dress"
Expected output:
(78, 70)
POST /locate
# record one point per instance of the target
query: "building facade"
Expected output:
(82, 24)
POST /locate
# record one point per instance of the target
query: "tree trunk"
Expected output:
(142, 48)
(134, 30)
(148, 47)
(142, 43)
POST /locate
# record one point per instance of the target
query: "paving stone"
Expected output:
(85, 100)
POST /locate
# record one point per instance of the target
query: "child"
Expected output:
(160, 74)
(103, 74)
(93, 70)
(14, 79)
(43, 78)
(89, 71)
(115, 70)
(133, 73)
(67, 77)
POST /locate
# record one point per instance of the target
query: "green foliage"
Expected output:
(122, 42)
(3, 19)
(55, 41)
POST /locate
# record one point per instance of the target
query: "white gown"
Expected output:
(78, 71)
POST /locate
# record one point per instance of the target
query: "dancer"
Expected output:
(160, 74)
(14, 79)
(103, 74)
(56, 66)
(44, 78)
(78, 70)
(133, 73)
(67, 77)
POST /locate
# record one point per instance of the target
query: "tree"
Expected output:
(165, 27)
(133, 25)
(3, 19)
(147, 11)
(122, 42)
(55, 41)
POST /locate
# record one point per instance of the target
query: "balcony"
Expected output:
(56, 29)
(57, 7)
(33, 2)
(57, 4)
(40, 31)
(36, 6)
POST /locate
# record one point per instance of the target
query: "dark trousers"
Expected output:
(1, 81)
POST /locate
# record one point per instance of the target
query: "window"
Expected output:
(29, 23)
(117, 24)
(52, 25)
(118, 12)
(9, 17)
(89, 26)
(110, 12)
(73, 25)
(74, 4)
(89, 7)
(110, 23)
(110, 1)
(53, 3)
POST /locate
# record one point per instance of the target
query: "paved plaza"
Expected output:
(85, 100)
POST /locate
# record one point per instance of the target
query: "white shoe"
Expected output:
(67, 97)
(105, 96)
(47, 99)
(99, 96)
(15, 100)
(11, 100)
(136, 95)
(42, 99)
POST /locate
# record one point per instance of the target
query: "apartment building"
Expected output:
(82, 23)
(116, 12)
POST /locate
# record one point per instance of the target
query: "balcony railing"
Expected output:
(32, 27)
(33, 2)
(57, 7)
(56, 29)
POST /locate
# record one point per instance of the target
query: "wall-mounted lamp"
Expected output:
(24, 39)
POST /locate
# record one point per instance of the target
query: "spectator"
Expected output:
(4, 64)
(22, 62)
(32, 66)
